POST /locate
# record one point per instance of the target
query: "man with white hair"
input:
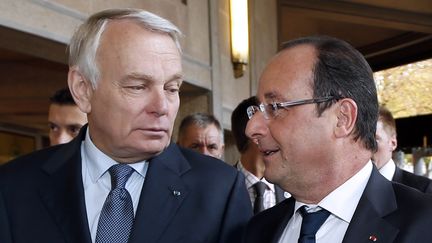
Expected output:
(121, 179)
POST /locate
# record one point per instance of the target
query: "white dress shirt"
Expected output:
(388, 170)
(250, 180)
(97, 181)
(341, 203)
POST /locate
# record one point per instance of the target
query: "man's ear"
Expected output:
(80, 88)
(346, 117)
(393, 142)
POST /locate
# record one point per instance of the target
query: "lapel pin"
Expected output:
(176, 193)
(373, 238)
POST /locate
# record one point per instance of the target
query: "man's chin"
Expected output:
(155, 149)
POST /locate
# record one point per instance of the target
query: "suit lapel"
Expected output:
(397, 177)
(377, 201)
(289, 205)
(63, 194)
(162, 194)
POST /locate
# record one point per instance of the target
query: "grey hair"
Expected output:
(201, 120)
(85, 41)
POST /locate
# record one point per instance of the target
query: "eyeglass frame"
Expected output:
(275, 106)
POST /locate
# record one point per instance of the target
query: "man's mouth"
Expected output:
(269, 152)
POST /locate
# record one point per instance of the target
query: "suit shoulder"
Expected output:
(411, 197)
(34, 157)
(413, 216)
(416, 181)
(25, 164)
(204, 162)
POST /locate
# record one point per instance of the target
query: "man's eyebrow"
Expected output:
(145, 77)
(176, 76)
(138, 76)
(270, 95)
(74, 125)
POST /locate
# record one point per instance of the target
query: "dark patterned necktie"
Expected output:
(117, 215)
(311, 223)
(259, 200)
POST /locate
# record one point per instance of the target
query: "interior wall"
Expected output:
(41, 30)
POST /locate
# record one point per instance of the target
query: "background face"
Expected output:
(203, 140)
(64, 123)
(386, 144)
(136, 100)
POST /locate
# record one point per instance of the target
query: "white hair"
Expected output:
(85, 42)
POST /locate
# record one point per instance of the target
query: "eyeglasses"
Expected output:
(271, 110)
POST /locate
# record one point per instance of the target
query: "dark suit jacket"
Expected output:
(420, 183)
(42, 199)
(389, 211)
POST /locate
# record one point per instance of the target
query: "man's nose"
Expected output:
(159, 103)
(256, 126)
(204, 150)
(63, 137)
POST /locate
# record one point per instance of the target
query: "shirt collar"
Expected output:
(99, 162)
(251, 179)
(343, 201)
(388, 170)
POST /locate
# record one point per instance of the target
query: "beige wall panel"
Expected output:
(174, 11)
(82, 6)
(196, 44)
(197, 31)
(197, 73)
(263, 37)
(35, 17)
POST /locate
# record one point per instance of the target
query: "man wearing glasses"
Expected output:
(315, 128)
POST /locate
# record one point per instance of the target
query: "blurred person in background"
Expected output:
(202, 133)
(386, 138)
(65, 119)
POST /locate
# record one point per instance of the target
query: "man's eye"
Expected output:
(135, 87)
(213, 147)
(172, 89)
(74, 130)
(52, 127)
